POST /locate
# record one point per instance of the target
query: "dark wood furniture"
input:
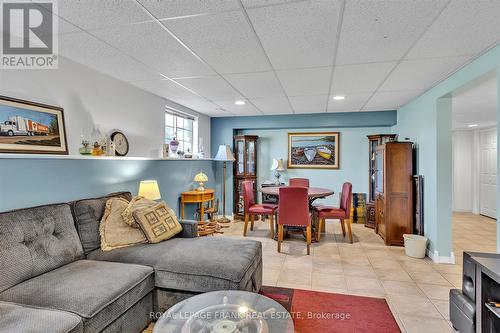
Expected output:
(374, 141)
(245, 168)
(394, 191)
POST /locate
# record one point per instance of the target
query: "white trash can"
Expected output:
(415, 245)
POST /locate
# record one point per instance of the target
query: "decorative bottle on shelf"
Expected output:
(174, 144)
(110, 147)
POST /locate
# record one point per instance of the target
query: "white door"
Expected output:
(488, 172)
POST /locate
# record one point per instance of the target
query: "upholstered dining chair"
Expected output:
(301, 182)
(343, 213)
(251, 208)
(293, 210)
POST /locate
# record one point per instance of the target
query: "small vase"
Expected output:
(174, 144)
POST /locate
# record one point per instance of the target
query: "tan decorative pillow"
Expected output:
(115, 233)
(135, 204)
(159, 222)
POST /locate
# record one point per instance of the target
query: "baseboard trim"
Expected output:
(441, 259)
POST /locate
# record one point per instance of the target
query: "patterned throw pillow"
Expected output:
(159, 222)
(115, 233)
(135, 204)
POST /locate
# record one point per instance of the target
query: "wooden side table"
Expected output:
(199, 197)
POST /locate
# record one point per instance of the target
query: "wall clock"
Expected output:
(121, 143)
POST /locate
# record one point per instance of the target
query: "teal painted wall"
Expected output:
(353, 159)
(426, 121)
(37, 181)
(223, 129)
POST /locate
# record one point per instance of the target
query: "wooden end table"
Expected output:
(198, 197)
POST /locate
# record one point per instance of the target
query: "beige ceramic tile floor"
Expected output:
(415, 289)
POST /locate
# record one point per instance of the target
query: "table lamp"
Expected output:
(201, 178)
(277, 166)
(149, 189)
(225, 155)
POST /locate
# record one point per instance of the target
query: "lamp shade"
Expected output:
(149, 189)
(201, 177)
(277, 165)
(224, 154)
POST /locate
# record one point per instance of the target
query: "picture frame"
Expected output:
(314, 150)
(31, 128)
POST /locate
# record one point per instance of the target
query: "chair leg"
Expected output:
(280, 236)
(271, 225)
(343, 227)
(349, 229)
(308, 235)
(319, 226)
(245, 226)
(252, 219)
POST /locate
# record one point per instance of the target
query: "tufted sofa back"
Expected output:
(36, 240)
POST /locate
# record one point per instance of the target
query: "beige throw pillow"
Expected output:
(115, 233)
(135, 204)
(159, 222)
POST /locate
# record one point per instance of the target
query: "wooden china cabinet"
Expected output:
(374, 141)
(245, 168)
(394, 191)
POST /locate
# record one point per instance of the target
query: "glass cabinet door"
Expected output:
(379, 164)
(250, 158)
(240, 157)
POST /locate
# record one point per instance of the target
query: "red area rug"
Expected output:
(318, 312)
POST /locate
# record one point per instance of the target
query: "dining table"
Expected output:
(313, 194)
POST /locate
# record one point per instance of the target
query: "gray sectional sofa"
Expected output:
(55, 278)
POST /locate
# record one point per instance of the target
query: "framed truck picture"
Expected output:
(31, 128)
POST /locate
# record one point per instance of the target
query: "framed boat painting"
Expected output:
(31, 128)
(314, 150)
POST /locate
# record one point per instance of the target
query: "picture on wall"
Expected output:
(314, 150)
(31, 128)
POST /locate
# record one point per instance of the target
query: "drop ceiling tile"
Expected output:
(211, 87)
(298, 34)
(309, 104)
(175, 8)
(224, 40)
(92, 14)
(256, 85)
(151, 44)
(422, 74)
(359, 78)
(239, 110)
(310, 81)
(391, 100)
(383, 30)
(264, 3)
(91, 52)
(174, 92)
(465, 27)
(273, 105)
(352, 102)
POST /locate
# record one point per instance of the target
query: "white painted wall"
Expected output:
(463, 161)
(91, 99)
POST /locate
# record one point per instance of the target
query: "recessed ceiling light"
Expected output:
(240, 102)
(473, 125)
(338, 97)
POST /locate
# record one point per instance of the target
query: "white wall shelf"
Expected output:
(89, 157)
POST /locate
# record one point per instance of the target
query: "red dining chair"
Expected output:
(300, 182)
(342, 213)
(293, 210)
(251, 208)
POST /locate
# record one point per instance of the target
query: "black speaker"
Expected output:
(469, 278)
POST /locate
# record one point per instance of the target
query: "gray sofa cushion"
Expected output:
(97, 291)
(34, 241)
(196, 264)
(27, 319)
(88, 214)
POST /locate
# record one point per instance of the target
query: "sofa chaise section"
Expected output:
(99, 292)
(23, 318)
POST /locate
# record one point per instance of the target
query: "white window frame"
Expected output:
(194, 132)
